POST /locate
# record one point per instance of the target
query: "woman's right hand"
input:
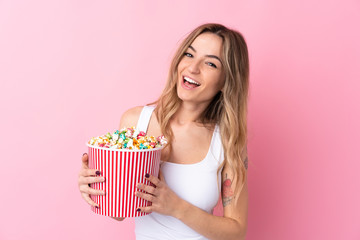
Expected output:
(86, 177)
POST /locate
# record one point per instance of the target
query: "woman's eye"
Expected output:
(188, 54)
(211, 64)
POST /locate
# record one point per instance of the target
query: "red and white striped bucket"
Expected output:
(122, 169)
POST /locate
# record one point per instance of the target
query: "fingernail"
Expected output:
(147, 175)
(84, 154)
(89, 185)
(97, 173)
(138, 209)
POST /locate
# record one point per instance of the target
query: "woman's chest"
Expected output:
(189, 147)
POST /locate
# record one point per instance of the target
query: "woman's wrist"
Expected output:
(182, 209)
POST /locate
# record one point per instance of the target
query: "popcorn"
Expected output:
(128, 138)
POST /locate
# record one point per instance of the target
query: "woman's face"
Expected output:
(201, 71)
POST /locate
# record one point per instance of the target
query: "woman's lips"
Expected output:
(187, 85)
(190, 80)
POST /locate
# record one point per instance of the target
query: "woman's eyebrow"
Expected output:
(210, 56)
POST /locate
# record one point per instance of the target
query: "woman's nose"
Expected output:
(194, 67)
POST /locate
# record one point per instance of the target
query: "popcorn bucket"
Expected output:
(122, 169)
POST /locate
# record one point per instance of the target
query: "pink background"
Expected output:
(69, 69)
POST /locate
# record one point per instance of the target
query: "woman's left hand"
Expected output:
(164, 200)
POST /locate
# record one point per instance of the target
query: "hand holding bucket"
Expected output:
(122, 170)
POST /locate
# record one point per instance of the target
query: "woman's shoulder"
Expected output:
(130, 117)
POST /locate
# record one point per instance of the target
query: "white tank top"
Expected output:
(197, 183)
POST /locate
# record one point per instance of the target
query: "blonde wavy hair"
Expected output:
(228, 109)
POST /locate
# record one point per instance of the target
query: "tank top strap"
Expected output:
(144, 118)
(216, 146)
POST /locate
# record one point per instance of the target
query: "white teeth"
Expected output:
(191, 81)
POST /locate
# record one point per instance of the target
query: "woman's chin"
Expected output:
(186, 98)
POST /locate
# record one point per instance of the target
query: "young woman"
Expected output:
(203, 114)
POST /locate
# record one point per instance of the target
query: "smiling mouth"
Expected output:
(190, 82)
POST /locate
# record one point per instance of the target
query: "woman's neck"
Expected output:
(189, 113)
